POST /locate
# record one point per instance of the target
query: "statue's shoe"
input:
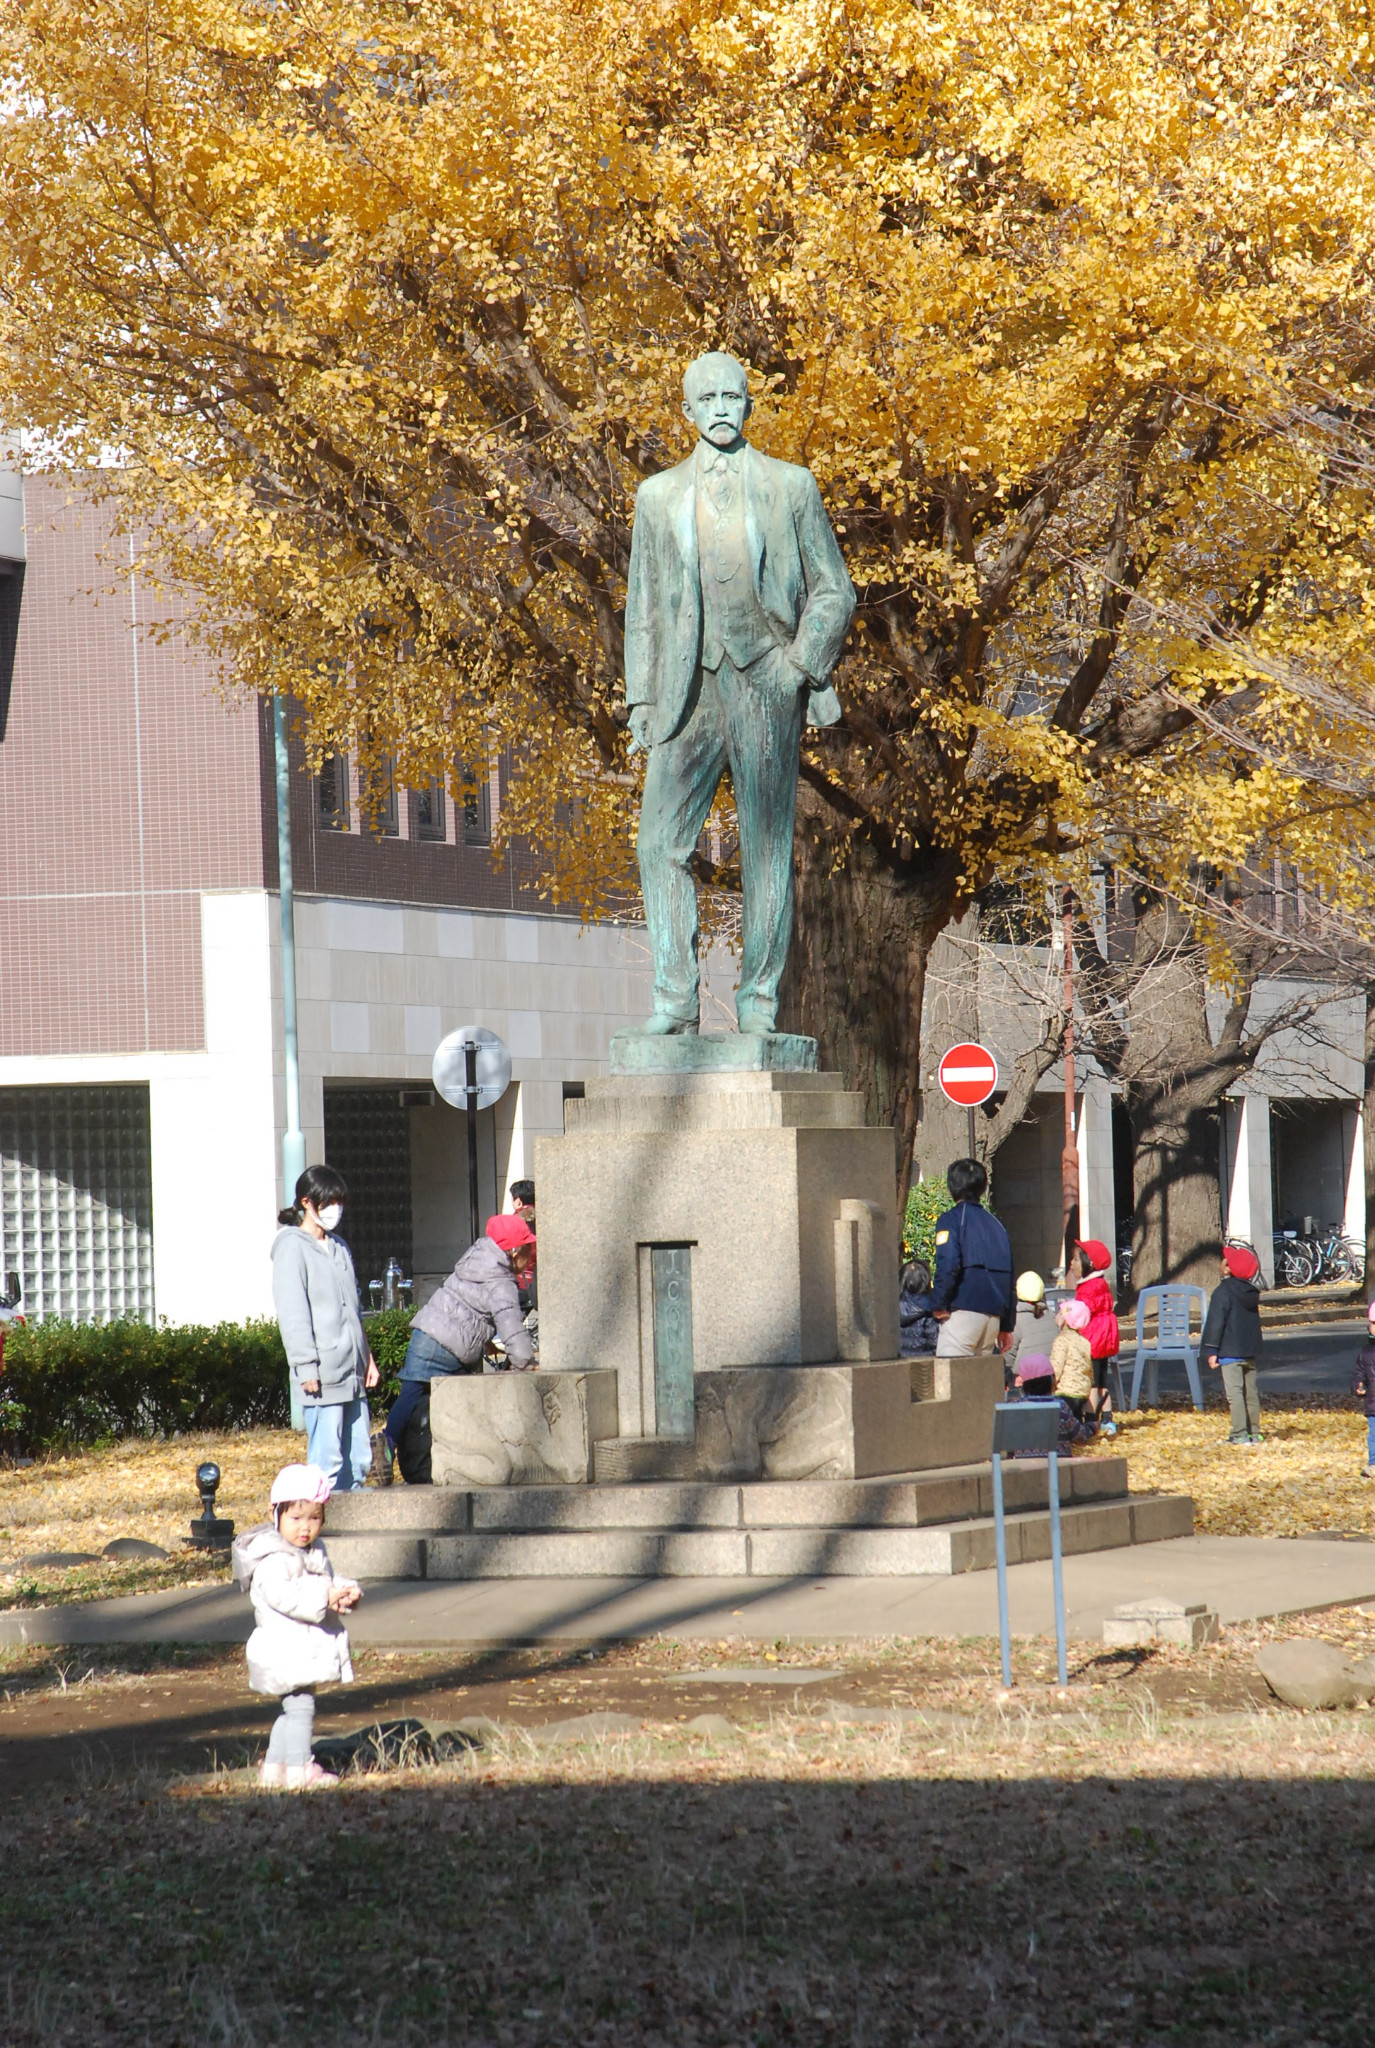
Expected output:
(755, 1023)
(664, 1025)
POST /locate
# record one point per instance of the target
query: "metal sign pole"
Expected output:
(972, 1153)
(1027, 1426)
(471, 1092)
(1061, 1662)
(1000, 1540)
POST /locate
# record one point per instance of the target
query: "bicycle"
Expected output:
(1336, 1257)
(1294, 1265)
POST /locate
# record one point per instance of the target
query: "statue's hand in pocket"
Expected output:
(640, 715)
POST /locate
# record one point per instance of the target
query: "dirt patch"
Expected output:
(67, 1715)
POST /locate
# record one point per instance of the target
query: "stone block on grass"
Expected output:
(1141, 1624)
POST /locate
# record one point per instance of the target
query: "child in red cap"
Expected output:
(1089, 1261)
(1231, 1339)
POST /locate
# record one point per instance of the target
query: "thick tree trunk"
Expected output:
(863, 932)
(1368, 1122)
(1178, 1233)
(1174, 1078)
(950, 1015)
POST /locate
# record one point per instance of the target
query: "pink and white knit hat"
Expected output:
(1075, 1315)
(300, 1482)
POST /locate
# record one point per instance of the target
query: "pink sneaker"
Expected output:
(311, 1777)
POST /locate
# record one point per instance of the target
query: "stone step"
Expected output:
(620, 1460)
(912, 1500)
(434, 1509)
(856, 1552)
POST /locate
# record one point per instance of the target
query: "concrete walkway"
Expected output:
(1244, 1578)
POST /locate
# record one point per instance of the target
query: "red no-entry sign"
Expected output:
(968, 1074)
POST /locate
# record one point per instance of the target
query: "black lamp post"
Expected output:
(209, 1531)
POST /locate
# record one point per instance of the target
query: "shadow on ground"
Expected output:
(720, 1911)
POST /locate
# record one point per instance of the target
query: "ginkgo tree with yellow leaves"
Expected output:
(385, 305)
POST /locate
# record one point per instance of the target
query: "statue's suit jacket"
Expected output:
(799, 578)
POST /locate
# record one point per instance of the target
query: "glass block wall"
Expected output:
(368, 1139)
(76, 1200)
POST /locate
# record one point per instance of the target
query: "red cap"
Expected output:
(1096, 1252)
(1240, 1263)
(509, 1232)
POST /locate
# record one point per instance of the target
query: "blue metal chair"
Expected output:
(1172, 1338)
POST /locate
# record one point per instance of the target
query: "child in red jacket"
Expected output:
(1089, 1261)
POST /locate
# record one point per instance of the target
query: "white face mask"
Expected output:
(330, 1214)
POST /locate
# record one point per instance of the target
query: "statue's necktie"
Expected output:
(721, 484)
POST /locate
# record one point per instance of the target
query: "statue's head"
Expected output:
(716, 398)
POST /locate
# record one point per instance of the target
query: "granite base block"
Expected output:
(845, 1421)
(693, 1161)
(519, 1429)
(754, 1052)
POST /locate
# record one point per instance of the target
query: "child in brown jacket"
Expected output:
(1070, 1356)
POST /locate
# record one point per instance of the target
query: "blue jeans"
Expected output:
(1370, 1439)
(337, 1441)
(426, 1359)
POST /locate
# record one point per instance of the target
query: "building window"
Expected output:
(334, 793)
(380, 806)
(429, 811)
(477, 807)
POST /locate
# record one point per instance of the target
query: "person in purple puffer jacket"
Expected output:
(1363, 1383)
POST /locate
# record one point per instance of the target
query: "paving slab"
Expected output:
(1240, 1578)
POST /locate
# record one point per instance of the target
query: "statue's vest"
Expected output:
(733, 621)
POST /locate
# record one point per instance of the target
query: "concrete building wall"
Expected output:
(212, 1135)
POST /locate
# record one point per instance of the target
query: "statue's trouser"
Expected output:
(738, 720)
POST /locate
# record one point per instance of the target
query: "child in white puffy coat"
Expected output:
(299, 1642)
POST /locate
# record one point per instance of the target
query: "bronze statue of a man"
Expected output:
(737, 609)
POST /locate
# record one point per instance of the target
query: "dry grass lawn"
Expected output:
(1080, 1869)
(1156, 1855)
(1306, 1476)
(82, 1501)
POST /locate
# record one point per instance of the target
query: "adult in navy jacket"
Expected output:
(975, 1295)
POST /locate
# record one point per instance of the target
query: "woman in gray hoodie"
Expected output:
(479, 1300)
(315, 1294)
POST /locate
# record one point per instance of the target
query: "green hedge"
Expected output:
(86, 1383)
(389, 1332)
(927, 1200)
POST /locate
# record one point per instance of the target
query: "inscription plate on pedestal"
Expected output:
(670, 1268)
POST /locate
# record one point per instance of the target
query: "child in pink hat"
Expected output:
(1070, 1356)
(1363, 1387)
(299, 1642)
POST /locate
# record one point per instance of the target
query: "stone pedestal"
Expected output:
(519, 1428)
(846, 1421)
(693, 1221)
